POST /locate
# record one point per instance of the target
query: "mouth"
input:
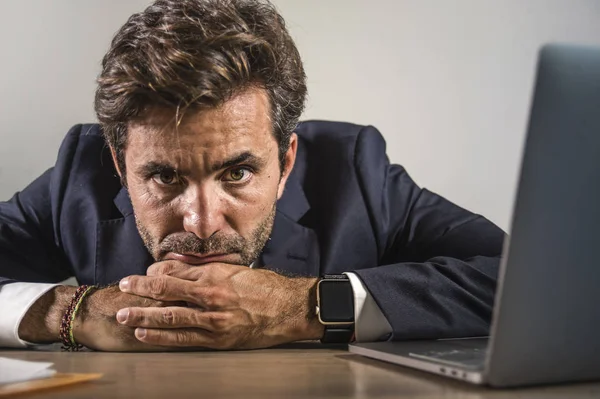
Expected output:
(197, 259)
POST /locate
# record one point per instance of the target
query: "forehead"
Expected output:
(241, 123)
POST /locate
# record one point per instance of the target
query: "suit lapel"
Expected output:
(293, 248)
(120, 250)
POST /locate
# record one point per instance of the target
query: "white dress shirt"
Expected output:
(17, 298)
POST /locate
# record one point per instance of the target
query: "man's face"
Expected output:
(206, 190)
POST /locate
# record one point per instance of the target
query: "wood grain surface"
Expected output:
(302, 370)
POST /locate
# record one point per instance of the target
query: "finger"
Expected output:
(168, 267)
(161, 288)
(168, 317)
(190, 337)
(176, 317)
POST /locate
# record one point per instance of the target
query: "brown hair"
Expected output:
(196, 54)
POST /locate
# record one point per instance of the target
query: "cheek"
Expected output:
(249, 206)
(156, 215)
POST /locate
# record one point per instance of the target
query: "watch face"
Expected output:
(336, 301)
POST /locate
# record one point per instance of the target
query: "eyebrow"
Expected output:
(152, 167)
(244, 157)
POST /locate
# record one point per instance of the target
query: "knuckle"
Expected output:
(219, 322)
(206, 296)
(214, 297)
(168, 266)
(182, 337)
(171, 266)
(158, 286)
(139, 318)
(168, 317)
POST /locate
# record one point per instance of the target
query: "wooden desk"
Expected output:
(294, 371)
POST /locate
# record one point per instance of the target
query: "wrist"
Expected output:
(67, 323)
(309, 326)
(84, 327)
(63, 295)
(41, 323)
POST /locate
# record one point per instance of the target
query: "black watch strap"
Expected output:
(340, 334)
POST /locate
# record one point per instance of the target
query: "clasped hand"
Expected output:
(228, 307)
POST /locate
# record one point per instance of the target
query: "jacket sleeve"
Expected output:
(438, 263)
(30, 242)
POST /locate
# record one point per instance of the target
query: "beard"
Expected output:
(248, 249)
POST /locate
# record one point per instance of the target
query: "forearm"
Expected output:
(41, 323)
(441, 298)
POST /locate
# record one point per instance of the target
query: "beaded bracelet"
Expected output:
(66, 325)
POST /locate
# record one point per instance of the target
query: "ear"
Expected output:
(290, 159)
(113, 154)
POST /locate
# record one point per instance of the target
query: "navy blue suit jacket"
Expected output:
(430, 265)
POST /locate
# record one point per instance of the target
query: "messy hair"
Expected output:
(183, 55)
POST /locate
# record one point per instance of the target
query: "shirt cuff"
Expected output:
(15, 301)
(369, 322)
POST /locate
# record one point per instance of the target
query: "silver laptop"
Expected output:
(546, 321)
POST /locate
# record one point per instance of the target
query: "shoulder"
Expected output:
(340, 143)
(84, 149)
(337, 161)
(84, 172)
(80, 140)
(331, 131)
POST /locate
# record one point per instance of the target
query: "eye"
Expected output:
(166, 178)
(237, 175)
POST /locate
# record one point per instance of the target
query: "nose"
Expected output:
(202, 214)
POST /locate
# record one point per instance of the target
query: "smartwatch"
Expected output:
(335, 308)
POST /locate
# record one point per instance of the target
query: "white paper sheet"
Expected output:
(13, 370)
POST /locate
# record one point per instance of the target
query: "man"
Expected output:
(217, 213)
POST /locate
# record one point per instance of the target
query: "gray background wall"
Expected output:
(447, 83)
